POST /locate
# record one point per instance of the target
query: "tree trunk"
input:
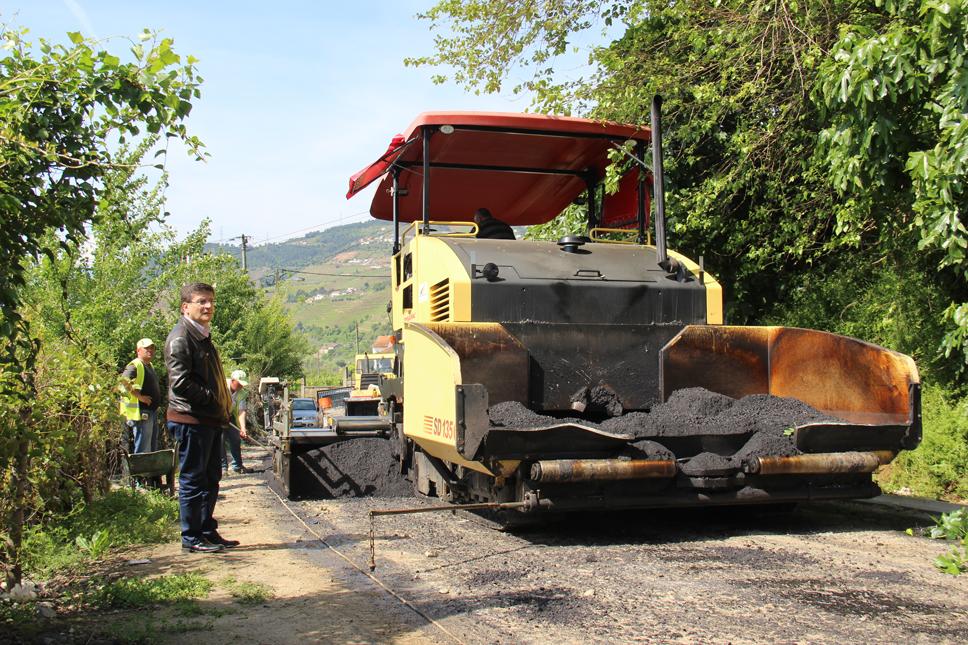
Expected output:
(21, 468)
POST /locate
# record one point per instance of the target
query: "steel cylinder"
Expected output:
(361, 424)
(583, 470)
(820, 463)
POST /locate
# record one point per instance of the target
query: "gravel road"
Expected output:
(823, 573)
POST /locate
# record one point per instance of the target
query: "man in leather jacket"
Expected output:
(199, 405)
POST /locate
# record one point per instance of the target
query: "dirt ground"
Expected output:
(315, 595)
(824, 573)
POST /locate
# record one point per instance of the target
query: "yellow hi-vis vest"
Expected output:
(129, 402)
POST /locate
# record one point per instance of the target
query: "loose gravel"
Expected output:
(824, 573)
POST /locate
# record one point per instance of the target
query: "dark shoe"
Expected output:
(241, 470)
(202, 546)
(221, 542)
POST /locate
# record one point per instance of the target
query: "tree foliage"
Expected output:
(894, 95)
(802, 138)
(250, 330)
(87, 302)
(63, 109)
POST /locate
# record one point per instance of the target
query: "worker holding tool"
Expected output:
(140, 397)
(234, 434)
(199, 406)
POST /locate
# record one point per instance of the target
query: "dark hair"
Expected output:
(483, 213)
(190, 290)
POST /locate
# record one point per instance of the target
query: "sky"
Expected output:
(297, 97)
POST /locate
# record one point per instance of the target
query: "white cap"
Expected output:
(239, 375)
(145, 342)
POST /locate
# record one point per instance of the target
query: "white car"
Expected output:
(304, 413)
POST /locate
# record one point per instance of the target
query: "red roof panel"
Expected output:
(494, 140)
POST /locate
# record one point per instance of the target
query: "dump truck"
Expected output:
(596, 371)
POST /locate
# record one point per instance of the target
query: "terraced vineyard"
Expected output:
(333, 282)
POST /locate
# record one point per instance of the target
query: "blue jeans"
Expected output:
(198, 459)
(145, 432)
(233, 439)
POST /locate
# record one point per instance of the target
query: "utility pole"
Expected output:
(245, 263)
(245, 239)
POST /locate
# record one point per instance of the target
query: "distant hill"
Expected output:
(311, 248)
(335, 285)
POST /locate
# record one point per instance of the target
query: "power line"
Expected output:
(310, 228)
(301, 230)
(336, 275)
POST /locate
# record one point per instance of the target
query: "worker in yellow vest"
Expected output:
(140, 397)
(235, 432)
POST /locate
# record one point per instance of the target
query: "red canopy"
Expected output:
(524, 168)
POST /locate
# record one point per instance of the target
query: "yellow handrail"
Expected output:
(417, 224)
(595, 232)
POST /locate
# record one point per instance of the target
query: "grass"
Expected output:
(134, 593)
(180, 592)
(192, 609)
(123, 517)
(954, 528)
(177, 591)
(249, 593)
(327, 312)
(13, 615)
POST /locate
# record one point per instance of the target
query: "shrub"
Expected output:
(939, 466)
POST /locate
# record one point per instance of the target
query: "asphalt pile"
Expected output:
(697, 411)
(354, 468)
(765, 419)
(367, 468)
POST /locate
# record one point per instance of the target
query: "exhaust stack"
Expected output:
(658, 189)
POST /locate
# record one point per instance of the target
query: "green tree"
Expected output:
(252, 331)
(62, 110)
(895, 92)
(88, 302)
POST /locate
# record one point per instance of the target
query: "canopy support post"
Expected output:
(592, 214)
(425, 131)
(640, 206)
(396, 210)
(659, 185)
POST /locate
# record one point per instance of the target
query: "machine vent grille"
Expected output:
(440, 301)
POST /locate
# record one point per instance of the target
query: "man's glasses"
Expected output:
(203, 301)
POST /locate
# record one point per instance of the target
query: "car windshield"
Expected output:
(303, 404)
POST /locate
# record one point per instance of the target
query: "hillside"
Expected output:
(312, 248)
(335, 285)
